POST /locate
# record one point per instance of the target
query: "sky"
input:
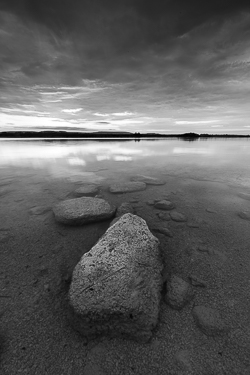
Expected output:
(165, 66)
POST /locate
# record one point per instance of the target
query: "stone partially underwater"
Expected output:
(83, 210)
(116, 286)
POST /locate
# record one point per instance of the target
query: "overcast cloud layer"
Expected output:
(148, 66)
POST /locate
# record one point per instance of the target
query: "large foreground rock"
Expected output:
(83, 210)
(127, 187)
(116, 286)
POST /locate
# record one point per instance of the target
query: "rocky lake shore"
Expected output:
(203, 309)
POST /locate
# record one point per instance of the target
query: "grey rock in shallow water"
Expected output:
(245, 215)
(148, 180)
(164, 231)
(116, 286)
(164, 205)
(39, 210)
(164, 216)
(83, 210)
(127, 187)
(177, 216)
(244, 196)
(87, 190)
(209, 321)
(179, 292)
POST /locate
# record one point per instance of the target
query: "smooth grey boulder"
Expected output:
(86, 190)
(127, 187)
(148, 180)
(116, 286)
(83, 210)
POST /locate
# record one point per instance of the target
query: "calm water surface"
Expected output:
(208, 182)
(204, 178)
(204, 172)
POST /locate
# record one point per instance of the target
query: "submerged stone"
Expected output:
(127, 187)
(244, 196)
(116, 286)
(164, 231)
(87, 190)
(164, 205)
(209, 320)
(148, 180)
(83, 210)
(177, 216)
(164, 216)
(197, 282)
(150, 202)
(183, 359)
(39, 210)
(245, 215)
(179, 292)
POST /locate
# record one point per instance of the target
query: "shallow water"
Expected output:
(208, 181)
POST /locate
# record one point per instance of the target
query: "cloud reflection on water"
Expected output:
(68, 157)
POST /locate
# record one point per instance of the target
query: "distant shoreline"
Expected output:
(110, 135)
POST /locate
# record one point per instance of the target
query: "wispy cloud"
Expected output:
(73, 111)
(190, 122)
(123, 113)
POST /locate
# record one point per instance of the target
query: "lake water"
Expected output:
(207, 180)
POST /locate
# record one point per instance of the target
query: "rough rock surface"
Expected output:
(86, 190)
(179, 292)
(148, 180)
(83, 210)
(116, 286)
(164, 205)
(209, 320)
(127, 187)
